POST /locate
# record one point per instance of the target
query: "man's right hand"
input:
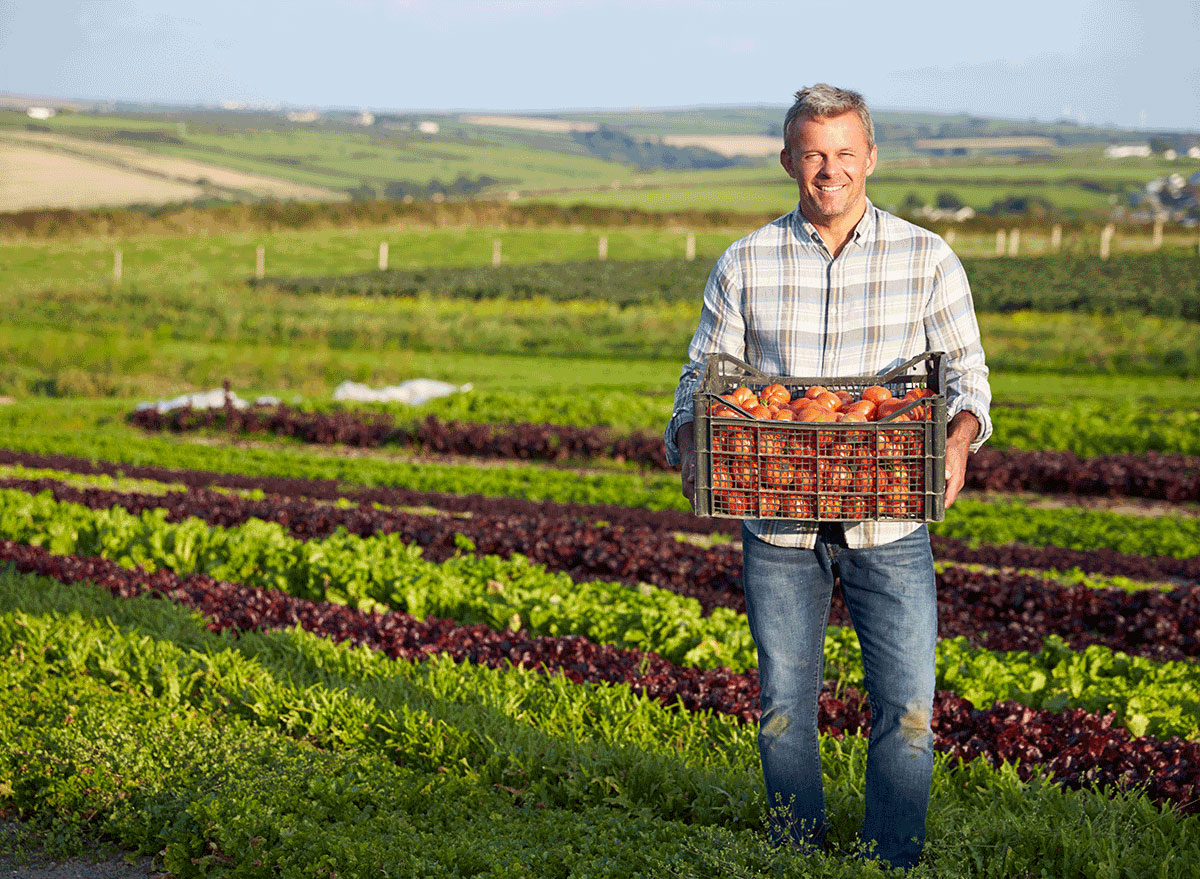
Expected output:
(685, 439)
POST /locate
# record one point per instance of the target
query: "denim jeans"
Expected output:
(891, 595)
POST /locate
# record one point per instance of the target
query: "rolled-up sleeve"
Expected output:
(722, 329)
(951, 326)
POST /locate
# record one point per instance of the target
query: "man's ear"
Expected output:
(872, 160)
(785, 159)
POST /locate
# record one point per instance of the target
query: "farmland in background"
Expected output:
(648, 160)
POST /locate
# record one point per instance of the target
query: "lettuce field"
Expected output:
(486, 637)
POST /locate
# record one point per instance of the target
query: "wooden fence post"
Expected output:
(1106, 236)
(999, 242)
(1156, 243)
(949, 236)
(383, 256)
(1055, 238)
(495, 252)
(689, 247)
(260, 262)
(602, 247)
(117, 267)
(1014, 241)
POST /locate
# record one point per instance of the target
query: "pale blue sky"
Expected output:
(1109, 61)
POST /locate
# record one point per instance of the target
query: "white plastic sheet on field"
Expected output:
(214, 399)
(414, 391)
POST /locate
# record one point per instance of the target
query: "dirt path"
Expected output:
(33, 864)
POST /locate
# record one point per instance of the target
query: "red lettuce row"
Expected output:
(997, 611)
(1099, 561)
(1080, 748)
(537, 442)
(1156, 475)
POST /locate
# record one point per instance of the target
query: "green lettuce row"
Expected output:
(1012, 521)
(184, 732)
(1149, 697)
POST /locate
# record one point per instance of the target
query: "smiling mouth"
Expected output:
(837, 188)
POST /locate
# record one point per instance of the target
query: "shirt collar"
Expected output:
(863, 233)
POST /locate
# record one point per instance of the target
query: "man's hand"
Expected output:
(962, 430)
(685, 438)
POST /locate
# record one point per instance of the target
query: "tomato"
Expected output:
(772, 442)
(815, 412)
(829, 506)
(798, 506)
(775, 472)
(830, 401)
(768, 505)
(876, 394)
(777, 394)
(856, 507)
(862, 408)
(816, 391)
(888, 407)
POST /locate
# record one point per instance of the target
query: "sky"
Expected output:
(1133, 63)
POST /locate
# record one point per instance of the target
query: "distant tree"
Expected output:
(912, 203)
(947, 200)
(1033, 206)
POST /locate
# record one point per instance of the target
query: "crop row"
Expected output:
(1158, 284)
(286, 480)
(1171, 477)
(999, 611)
(382, 572)
(1081, 749)
(540, 442)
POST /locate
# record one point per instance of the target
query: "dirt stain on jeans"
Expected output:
(914, 726)
(775, 726)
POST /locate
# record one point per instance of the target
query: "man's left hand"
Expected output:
(961, 432)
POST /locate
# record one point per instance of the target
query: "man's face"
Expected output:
(830, 161)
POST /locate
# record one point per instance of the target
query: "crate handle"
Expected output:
(725, 402)
(896, 371)
(716, 359)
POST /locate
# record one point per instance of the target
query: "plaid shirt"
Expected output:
(778, 300)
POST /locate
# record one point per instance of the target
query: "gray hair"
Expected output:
(822, 101)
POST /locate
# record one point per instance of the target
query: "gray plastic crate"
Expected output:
(890, 470)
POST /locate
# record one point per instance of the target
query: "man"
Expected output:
(839, 287)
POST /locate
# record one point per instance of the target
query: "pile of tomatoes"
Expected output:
(838, 474)
(776, 403)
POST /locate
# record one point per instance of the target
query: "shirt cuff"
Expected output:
(964, 404)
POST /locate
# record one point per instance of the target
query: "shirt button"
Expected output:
(833, 311)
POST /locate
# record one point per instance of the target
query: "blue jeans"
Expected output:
(891, 595)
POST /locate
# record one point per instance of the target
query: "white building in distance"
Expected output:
(1127, 151)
